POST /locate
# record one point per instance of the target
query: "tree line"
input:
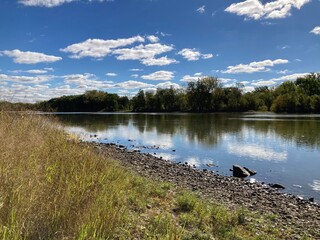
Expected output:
(209, 95)
(205, 95)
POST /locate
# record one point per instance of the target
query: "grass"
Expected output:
(52, 187)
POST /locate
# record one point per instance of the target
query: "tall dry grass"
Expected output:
(52, 188)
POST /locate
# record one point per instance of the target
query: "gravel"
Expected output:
(302, 217)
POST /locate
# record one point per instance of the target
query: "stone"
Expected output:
(276, 185)
(252, 172)
(240, 172)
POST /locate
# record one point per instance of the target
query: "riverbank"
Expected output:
(300, 217)
(54, 186)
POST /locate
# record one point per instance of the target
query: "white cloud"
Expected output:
(132, 85)
(136, 70)
(51, 3)
(261, 66)
(159, 76)
(270, 10)
(98, 48)
(201, 9)
(194, 78)
(163, 61)
(29, 57)
(164, 85)
(285, 71)
(86, 81)
(26, 79)
(291, 77)
(264, 83)
(33, 71)
(37, 71)
(153, 38)
(146, 54)
(110, 74)
(316, 30)
(44, 3)
(193, 54)
(135, 75)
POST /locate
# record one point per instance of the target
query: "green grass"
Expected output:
(52, 187)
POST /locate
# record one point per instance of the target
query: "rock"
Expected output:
(311, 199)
(276, 185)
(240, 172)
(252, 172)
(210, 165)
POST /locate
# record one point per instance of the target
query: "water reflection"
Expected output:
(281, 149)
(315, 185)
(257, 152)
(206, 129)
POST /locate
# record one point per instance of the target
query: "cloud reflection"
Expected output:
(257, 152)
(315, 185)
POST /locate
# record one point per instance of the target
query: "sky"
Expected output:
(51, 48)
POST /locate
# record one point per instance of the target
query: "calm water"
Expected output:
(283, 149)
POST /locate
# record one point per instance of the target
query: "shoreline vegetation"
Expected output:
(53, 186)
(205, 95)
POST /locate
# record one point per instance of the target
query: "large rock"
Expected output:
(240, 172)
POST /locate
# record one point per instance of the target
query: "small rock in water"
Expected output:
(311, 199)
(210, 165)
(277, 185)
(240, 172)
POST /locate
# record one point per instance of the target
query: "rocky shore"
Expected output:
(301, 217)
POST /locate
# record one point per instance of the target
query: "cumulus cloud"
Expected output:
(163, 61)
(159, 76)
(98, 48)
(193, 54)
(201, 9)
(194, 78)
(168, 84)
(29, 57)
(264, 83)
(86, 81)
(271, 10)
(26, 79)
(153, 38)
(261, 66)
(276, 81)
(51, 3)
(111, 74)
(146, 54)
(291, 77)
(132, 85)
(316, 30)
(135, 75)
(33, 71)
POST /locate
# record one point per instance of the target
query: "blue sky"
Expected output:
(50, 48)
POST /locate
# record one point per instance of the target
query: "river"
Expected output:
(283, 149)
